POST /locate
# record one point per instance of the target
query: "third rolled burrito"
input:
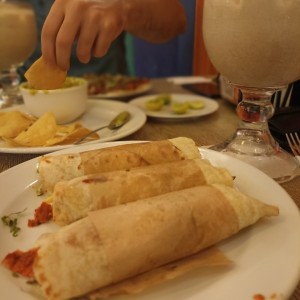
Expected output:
(72, 200)
(122, 241)
(53, 169)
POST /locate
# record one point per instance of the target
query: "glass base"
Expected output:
(259, 149)
(9, 99)
(9, 88)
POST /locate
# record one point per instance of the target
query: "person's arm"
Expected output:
(154, 20)
(94, 24)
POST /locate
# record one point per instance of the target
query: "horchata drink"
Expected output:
(17, 33)
(254, 43)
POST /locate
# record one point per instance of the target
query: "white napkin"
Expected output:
(189, 79)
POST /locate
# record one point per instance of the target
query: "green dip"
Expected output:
(69, 82)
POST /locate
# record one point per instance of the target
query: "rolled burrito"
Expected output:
(52, 169)
(72, 200)
(122, 241)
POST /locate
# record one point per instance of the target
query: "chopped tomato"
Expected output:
(42, 215)
(20, 262)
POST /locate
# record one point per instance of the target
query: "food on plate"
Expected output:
(42, 215)
(177, 107)
(74, 199)
(119, 242)
(166, 98)
(14, 122)
(115, 84)
(119, 120)
(41, 76)
(55, 168)
(156, 104)
(196, 104)
(68, 83)
(69, 134)
(12, 221)
(40, 132)
(209, 258)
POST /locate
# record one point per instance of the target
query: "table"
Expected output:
(207, 130)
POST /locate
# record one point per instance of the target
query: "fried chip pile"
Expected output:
(41, 76)
(19, 129)
(13, 122)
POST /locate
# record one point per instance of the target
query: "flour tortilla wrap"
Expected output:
(209, 258)
(72, 200)
(53, 169)
(122, 241)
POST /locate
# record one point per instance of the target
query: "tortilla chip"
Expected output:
(14, 122)
(41, 76)
(39, 132)
(65, 138)
(19, 129)
(67, 129)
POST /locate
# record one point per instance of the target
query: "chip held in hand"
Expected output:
(41, 76)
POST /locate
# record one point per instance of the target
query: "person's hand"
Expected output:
(94, 24)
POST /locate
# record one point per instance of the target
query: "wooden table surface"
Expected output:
(206, 130)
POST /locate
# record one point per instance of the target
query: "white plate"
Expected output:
(99, 112)
(166, 113)
(266, 256)
(125, 93)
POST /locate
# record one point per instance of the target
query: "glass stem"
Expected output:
(9, 82)
(256, 108)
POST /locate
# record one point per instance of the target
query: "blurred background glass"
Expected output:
(18, 40)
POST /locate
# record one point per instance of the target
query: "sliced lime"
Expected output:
(154, 104)
(166, 98)
(196, 104)
(179, 107)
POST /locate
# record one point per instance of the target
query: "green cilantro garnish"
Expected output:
(12, 222)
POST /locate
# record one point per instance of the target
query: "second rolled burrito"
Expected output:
(72, 200)
(54, 168)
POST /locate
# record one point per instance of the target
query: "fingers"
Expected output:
(86, 38)
(102, 44)
(48, 35)
(111, 28)
(58, 34)
(94, 25)
(65, 38)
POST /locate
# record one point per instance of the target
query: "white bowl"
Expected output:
(67, 103)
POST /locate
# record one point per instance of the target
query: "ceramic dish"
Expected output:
(98, 113)
(266, 256)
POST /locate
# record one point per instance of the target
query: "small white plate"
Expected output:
(98, 113)
(266, 256)
(120, 94)
(210, 106)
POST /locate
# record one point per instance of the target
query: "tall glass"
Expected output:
(18, 36)
(255, 44)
